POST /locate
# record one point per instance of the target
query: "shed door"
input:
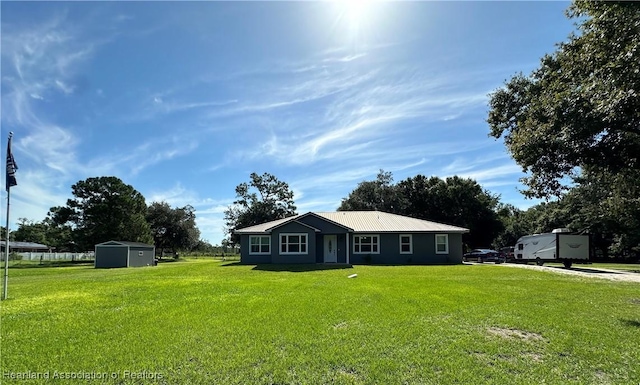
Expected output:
(330, 249)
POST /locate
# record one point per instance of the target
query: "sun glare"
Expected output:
(357, 21)
(356, 11)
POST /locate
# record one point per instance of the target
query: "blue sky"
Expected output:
(184, 100)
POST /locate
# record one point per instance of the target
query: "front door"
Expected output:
(330, 249)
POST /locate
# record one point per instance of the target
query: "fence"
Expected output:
(57, 256)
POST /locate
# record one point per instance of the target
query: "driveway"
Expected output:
(583, 271)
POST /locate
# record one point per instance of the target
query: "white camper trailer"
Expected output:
(558, 246)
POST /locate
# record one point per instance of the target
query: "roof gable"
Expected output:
(312, 214)
(124, 243)
(292, 220)
(262, 228)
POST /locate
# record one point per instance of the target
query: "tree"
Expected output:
(3, 234)
(173, 229)
(30, 231)
(608, 206)
(456, 201)
(45, 232)
(574, 123)
(379, 194)
(104, 208)
(59, 235)
(273, 199)
(513, 226)
(580, 110)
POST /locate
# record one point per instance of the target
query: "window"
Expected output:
(442, 243)
(293, 244)
(406, 244)
(366, 244)
(259, 244)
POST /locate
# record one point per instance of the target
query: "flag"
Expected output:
(11, 166)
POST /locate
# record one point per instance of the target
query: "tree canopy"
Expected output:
(574, 124)
(580, 110)
(173, 228)
(379, 194)
(454, 200)
(263, 199)
(104, 208)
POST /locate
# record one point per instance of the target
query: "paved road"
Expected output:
(592, 272)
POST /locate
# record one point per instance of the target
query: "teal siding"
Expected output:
(278, 257)
(423, 246)
(246, 258)
(424, 250)
(137, 260)
(111, 256)
(322, 225)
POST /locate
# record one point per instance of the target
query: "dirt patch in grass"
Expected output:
(535, 357)
(635, 301)
(527, 356)
(515, 334)
(341, 325)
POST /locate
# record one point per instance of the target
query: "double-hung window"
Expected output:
(293, 243)
(259, 244)
(406, 244)
(366, 244)
(442, 243)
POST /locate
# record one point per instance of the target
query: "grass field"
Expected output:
(212, 322)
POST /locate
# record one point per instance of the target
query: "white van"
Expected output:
(560, 245)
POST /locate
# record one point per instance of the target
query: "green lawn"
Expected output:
(212, 322)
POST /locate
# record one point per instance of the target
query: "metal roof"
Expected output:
(365, 222)
(262, 228)
(125, 243)
(25, 245)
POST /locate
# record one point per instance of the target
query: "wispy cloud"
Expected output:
(348, 108)
(40, 63)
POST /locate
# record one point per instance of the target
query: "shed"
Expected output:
(124, 254)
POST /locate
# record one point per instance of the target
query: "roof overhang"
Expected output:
(310, 213)
(293, 220)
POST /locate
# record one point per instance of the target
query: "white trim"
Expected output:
(306, 244)
(294, 220)
(410, 243)
(347, 235)
(325, 251)
(371, 244)
(446, 237)
(326, 220)
(260, 244)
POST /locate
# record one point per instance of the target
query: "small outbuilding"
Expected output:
(124, 254)
(25, 247)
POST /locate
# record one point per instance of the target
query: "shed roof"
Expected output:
(366, 221)
(124, 243)
(25, 245)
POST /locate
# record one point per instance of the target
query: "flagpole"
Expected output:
(6, 250)
(11, 181)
